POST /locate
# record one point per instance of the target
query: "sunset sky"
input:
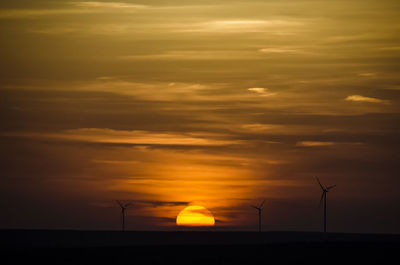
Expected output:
(222, 104)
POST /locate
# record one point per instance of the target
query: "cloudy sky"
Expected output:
(223, 104)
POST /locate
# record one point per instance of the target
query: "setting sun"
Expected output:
(195, 216)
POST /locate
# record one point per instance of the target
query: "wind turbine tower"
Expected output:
(259, 209)
(123, 206)
(325, 190)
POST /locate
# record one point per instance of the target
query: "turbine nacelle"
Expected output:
(324, 188)
(259, 207)
(124, 205)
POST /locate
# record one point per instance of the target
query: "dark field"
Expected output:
(91, 247)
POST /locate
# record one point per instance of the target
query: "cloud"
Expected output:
(278, 50)
(196, 55)
(261, 91)
(94, 4)
(30, 13)
(258, 127)
(161, 203)
(160, 91)
(203, 212)
(358, 98)
(73, 9)
(136, 137)
(367, 74)
(314, 143)
(276, 26)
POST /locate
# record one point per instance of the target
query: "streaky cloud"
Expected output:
(359, 98)
(261, 91)
(96, 4)
(140, 137)
(314, 143)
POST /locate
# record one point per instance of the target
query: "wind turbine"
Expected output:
(323, 197)
(123, 208)
(259, 209)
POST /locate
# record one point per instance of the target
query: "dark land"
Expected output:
(189, 247)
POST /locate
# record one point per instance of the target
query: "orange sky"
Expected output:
(219, 103)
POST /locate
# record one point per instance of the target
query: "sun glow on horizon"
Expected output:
(195, 215)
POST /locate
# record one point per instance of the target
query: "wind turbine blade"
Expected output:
(261, 205)
(120, 203)
(255, 207)
(322, 187)
(331, 187)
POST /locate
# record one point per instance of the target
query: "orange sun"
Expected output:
(195, 215)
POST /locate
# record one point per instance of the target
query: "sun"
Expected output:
(195, 215)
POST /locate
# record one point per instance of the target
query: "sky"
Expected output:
(170, 103)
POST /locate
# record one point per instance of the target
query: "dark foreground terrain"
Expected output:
(91, 247)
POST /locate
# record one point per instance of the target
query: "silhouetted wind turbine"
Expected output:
(323, 197)
(123, 208)
(259, 209)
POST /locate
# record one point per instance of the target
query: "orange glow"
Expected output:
(195, 216)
